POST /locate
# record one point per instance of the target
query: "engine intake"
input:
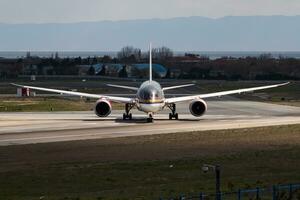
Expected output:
(198, 107)
(102, 108)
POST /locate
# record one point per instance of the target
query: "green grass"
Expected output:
(37, 104)
(148, 167)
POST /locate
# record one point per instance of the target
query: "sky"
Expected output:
(65, 11)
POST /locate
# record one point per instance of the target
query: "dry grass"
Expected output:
(138, 167)
(154, 147)
(36, 104)
(287, 103)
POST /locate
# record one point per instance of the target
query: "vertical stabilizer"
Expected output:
(150, 62)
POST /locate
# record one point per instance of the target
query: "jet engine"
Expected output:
(102, 108)
(198, 107)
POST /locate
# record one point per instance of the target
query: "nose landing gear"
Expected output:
(150, 118)
(127, 115)
(172, 115)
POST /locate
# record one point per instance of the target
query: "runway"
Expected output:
(43, 127)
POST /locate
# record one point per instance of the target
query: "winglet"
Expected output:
(283, 84)
(286, 83)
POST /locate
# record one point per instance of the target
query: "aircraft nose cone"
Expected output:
(149, 93)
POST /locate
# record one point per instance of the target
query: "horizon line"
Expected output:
(144, 19)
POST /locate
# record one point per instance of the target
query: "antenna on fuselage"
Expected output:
(150, 62)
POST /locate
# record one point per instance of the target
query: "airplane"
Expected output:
(150, 98)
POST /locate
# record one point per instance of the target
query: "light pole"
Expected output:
(217, 169)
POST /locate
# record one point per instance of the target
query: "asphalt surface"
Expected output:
(43, 127)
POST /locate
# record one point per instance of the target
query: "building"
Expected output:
(133, 70)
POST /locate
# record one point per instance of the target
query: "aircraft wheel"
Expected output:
(173, 116)
(127, 116)
(176, 116)
(149, 120)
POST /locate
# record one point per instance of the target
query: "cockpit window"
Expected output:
(150, 93)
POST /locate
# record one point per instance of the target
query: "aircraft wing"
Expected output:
(81, 94)
(218, 94)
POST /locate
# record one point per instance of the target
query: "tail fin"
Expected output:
(150, 62)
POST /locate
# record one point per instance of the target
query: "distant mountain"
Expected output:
(253, 33)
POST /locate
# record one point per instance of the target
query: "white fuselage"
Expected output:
(151, 108)
(150, 97)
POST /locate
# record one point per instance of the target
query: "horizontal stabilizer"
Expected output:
(123, 86)
(177, 86)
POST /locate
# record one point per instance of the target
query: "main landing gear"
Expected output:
(172, 115)
(127, 115)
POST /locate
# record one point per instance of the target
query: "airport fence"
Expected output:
(276, 192)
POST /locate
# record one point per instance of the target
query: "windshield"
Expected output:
(150, 94)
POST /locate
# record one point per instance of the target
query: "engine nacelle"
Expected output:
(102, 108)
(198, 107)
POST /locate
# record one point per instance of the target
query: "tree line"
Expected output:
(129, 54)
(188, 66)
(249, 68)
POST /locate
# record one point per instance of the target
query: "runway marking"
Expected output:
(81, 135)
(27, 128)
(234, 125)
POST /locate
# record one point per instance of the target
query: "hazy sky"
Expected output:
(40, 11)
